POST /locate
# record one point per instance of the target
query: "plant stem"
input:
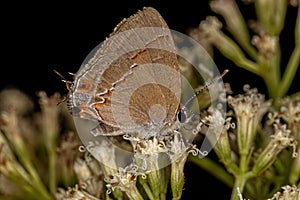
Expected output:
(118, 194)
(293, 96)
(289, 72)
(35, 179)
(134, 194)
(52, 170)
(146, 187)
(165, 177)
(154, 179)
(243, 162)
(249, 66)
(271, 81)
(240, 182)
(177, 179)
(294, 175)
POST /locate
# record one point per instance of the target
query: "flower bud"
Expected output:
(249, 109)
(279, 141)
(235, 22)
(210, 28)
(271, 15)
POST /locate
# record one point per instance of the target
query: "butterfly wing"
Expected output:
(133, 79)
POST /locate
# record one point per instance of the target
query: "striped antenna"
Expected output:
(68, 83)
(205, 87)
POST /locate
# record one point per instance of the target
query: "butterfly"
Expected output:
(131, 83)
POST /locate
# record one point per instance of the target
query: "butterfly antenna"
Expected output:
(72, 74)
(68, 83)
(205, 87)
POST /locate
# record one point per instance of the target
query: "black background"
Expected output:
(39, 37)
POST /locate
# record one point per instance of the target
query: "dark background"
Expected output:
(37, 38)
(40, 37)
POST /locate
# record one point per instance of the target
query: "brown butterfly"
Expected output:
(131, 84)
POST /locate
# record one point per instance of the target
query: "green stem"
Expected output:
(214, 169)
(240, 183)
(177, 177)
(52, 170)
(293, 96)
(294, 175)
(249, 66)
(243, 162)
(165, 177)
(134, 194)
(35, 180)
(269, 67)
(271, 81)
(289, 72)
(280, 166)
(118, 194)
(26, 184)
(276, 62)
(250, 50)
(163, 196)
(146, 188)
(154, 179)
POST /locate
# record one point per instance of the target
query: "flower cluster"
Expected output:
(289, 192)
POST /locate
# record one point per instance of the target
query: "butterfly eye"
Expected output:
(182, 116)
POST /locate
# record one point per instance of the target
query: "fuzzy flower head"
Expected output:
(125, 180)
(250, 104)
(90, 175)
(76, 193)
(290, 112)
(149, 153)
(104, 152)
(249, 109)
(178, 149)
(151, 146)
(17, 100)
(280, 140)
(265, 44)
(222, 145)
(289, 192)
